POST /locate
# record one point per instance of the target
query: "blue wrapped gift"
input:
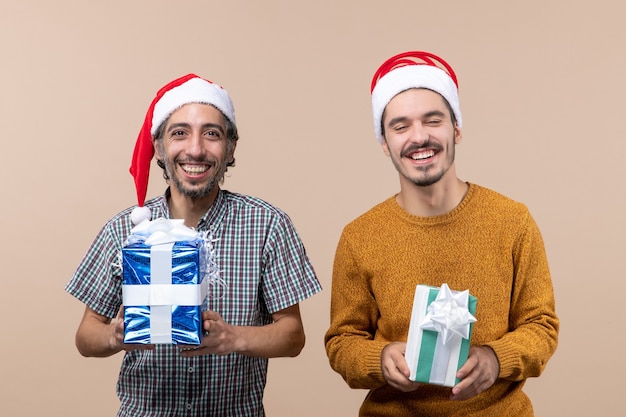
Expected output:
(163, 291)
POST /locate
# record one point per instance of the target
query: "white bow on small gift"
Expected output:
(449, 315)
(162, 230)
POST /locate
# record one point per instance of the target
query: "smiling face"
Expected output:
(420, 137)
(195, 150)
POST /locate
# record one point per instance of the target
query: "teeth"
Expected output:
(194, 169)
(422, 155)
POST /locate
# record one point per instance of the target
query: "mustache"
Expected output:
(187, 160)
(416, 148)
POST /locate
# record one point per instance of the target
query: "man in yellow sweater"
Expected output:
(437, 229)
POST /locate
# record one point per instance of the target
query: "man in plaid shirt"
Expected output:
(264, 269)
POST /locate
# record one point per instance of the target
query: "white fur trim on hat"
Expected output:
(412, 76)
(195, 90)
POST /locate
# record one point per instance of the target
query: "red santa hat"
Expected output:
(172, 96)
(413, 69)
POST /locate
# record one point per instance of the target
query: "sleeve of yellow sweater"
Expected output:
(524, 351)
(350, 345)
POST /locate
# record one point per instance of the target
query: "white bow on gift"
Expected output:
(449, 315)
(162, 230)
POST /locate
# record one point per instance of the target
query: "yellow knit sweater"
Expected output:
(489, 245)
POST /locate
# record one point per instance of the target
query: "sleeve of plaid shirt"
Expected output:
(97, 282)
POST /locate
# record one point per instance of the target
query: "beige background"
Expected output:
(542, 92)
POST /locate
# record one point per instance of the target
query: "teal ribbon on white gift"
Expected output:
(439, 338)
(161, 294)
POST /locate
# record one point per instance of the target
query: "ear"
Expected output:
(458, 135)
(156, 149)
(385, 147)
(231, 157)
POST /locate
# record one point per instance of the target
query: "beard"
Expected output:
(201, 190)
(427, 179)
(426, 176)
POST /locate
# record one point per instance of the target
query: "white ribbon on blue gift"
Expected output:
(161, 294)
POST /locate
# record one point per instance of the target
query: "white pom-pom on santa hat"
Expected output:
(139, 214)
(172, 96)
(401, 72)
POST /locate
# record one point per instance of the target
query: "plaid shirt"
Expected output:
(265, 268)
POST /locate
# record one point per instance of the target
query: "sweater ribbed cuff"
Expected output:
(508, 358)
(371, 360)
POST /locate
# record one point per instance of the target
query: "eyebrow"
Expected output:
(188, 126)
(433, 113)
(437, 113)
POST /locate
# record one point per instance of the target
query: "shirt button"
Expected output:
(188, 406)
(190, 369)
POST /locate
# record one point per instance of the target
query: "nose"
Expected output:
(419, 133)
(195, 146)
